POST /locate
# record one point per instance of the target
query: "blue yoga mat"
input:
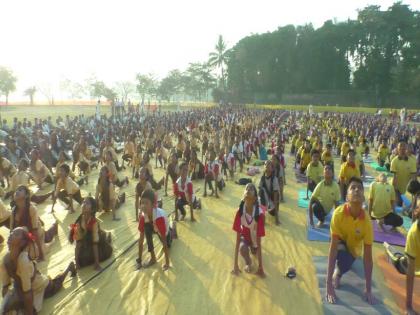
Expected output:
(350, 294)
(302, 203)
(316, 234)
(406, 201)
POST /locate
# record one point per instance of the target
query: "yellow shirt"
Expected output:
(412, 246)
(353, 232)
(402, 170)
(383, 152)
(327, 195)
(326, 157)
(382, 195)
(305, 159)
(345, 147)
(315, 173)
(347, 171)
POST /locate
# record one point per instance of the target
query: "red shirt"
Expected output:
(245, 231)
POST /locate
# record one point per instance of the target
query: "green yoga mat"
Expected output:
(406, 222)
(378, 168)
(302, 203)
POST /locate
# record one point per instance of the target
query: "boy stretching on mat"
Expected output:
(351, 229)
(313, 172)
(408, 264)
(325, 196)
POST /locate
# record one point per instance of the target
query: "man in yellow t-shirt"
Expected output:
(404, 170)
(325, 197)
(348, 170)
(383, 154)
(314, 172)
(351, 231)
(408, 264)
(382, 203)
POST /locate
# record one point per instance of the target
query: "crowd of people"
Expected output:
(216, 147)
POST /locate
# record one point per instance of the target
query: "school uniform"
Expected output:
(383, 195)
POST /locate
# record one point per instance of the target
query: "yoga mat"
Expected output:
(302, 203)
(407, 222)
(393, 238)
(406, 201)
(319, 234)
(350, 298)
(378, 168)
(396, 284)
(367, 159)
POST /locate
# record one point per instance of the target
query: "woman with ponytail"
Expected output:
(24, 214)
(106, 197)
(30, 287)
(249, 227)
(93, 245)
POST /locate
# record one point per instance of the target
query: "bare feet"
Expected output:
(248, 268)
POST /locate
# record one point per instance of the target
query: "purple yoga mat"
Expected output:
(393, 238)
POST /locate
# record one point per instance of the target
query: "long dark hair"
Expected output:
(25, 219)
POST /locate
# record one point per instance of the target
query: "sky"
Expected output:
(47, 41)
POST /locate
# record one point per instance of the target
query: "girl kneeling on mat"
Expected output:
(153, 220)
(93, 245)
(249, 228)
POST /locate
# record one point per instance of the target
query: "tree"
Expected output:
(48, 91)
(74, 90)
(170, 85)
(197, 80)
(30, 92)
(146, 85)
(124, 89)
(7, 82)
(218, 58)
(99, 88)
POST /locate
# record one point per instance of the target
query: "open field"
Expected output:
(43, 111)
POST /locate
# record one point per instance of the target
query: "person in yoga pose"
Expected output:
(348, 170)
(268, 189)
(184, 194)
(29, 286)
(409, 262)
(106, 197)
(351, 230)
(325, 196)
(93, 244)
(141, 186)
(153, 220)
(25, 214)
(249, 227)
(313, 172)
(382, 203)
(66, 189)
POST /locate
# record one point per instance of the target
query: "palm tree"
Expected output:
(218, 58)
(30, 92)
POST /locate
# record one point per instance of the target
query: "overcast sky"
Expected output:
(49, 40)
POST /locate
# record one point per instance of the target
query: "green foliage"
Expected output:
(7, 82)
(98, 89)
(378, 53)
